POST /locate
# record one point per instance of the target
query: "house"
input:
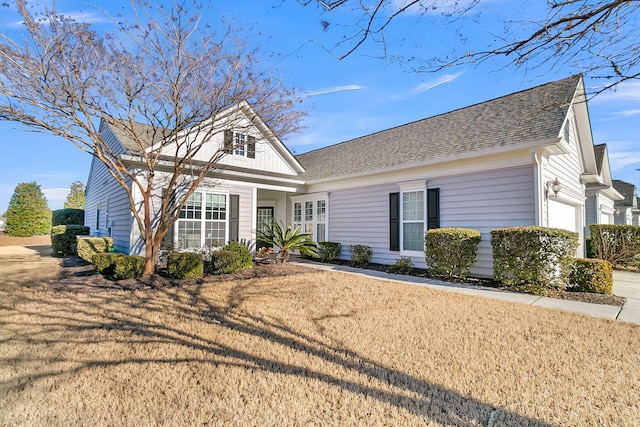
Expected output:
(521, 159)
(601, 195)
(626, 209)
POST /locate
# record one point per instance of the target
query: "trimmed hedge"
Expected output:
(360, 255)
(591, 275)
(105, 263)
(89, 246)
(450, 252)
(533, 257)
(67, 217)
(244, 254)
(63, 238)
(128, 267)
(618, 244)
(185, 265)
(224, 262)
(329, 251)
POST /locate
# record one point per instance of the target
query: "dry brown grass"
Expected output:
(315, 349)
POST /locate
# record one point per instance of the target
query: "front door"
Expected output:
(265, 215)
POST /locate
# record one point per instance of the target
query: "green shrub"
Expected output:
(224, 262)
(589, 250)
(105, 263)
(618, 244)
(67, 217)
(63, 238)
(536, 258)
(360, 255)
(403, 265)
(244, 255)
(89, 246)
(591, 275)
(28, 213)
(329, 251)
(185, 265)
(128, 267)
(451, 252)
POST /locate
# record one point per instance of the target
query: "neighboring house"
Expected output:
(626, 209)
(601, 195)
(522, 159)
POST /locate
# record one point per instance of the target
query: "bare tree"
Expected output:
(163, 78)
(599, 38)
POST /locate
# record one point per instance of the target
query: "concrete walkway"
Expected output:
(625, 284)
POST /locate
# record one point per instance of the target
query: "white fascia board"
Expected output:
(225, 174)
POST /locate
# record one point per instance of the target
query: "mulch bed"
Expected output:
(79, 276)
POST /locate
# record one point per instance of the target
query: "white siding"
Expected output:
(483, 201)
(100, 187)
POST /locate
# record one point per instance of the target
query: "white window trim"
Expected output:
(237, 146)
(410, 187)
(203, 192)
(312, 198)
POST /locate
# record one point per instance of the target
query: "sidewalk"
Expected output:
(625, 284)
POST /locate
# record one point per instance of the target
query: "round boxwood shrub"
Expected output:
(185, 265)
(329, 251)
(450, 252)
(225, 262)
(245, 257)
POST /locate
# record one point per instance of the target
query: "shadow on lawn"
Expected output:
(427, 400)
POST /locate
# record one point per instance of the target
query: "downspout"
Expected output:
(539, 188)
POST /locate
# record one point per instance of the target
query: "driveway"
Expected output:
(627, 284)
(20, 264)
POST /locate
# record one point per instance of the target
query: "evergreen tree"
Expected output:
(75, 198)
(28, 213)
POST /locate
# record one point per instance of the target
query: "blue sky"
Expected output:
(344, 99)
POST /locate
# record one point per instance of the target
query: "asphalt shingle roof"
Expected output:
(148, 135)
(599, 151)
(627, 190)
(530, 115)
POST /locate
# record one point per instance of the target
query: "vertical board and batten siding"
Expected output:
(266, 156)
(482, 200)
(100, 186)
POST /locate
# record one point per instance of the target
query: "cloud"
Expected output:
(80, 17)
(56, 196)
(334, 90)
(627, 91)
(425, 86)
(621, 159)
(626, 113)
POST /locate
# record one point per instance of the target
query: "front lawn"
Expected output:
(318, 348)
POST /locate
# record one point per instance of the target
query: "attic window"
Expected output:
(567, 130)
(239, 142)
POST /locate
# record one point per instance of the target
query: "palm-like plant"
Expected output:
(287, 239)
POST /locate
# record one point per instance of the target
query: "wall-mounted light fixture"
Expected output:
(552, 187)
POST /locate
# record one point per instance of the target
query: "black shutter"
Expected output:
(394, 221)
(228, 141)
(234, 217)
(433, 208)
(251, 147)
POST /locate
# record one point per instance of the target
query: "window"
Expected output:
(203, 223)
(239, 141)
(413, 221)
(98, 216)
(311, 217)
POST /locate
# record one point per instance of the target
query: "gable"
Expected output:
(534, 116)
(269, 155)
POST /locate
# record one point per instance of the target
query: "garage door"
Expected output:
(562, 215)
